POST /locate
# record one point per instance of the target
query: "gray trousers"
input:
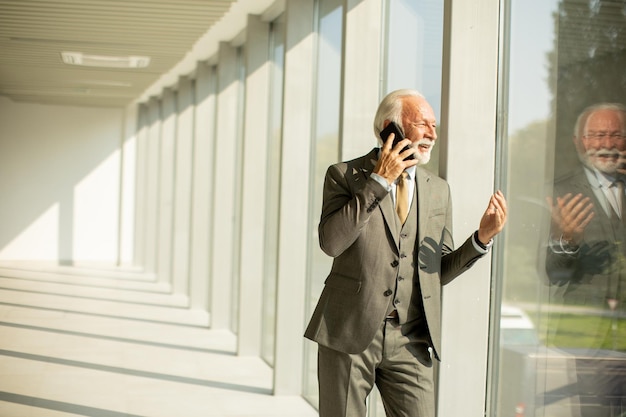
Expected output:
(399, 364)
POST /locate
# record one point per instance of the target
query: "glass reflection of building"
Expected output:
(561, 57)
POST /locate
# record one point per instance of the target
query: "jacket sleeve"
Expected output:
(348, 202)
(455, 262)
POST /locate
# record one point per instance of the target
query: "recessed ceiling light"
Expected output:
(105, 83)
(105, 61)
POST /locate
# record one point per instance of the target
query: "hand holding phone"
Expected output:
(393, 127)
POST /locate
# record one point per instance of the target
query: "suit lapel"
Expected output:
(386, 205)
(391, 218)
(422, 178)
(423, 190)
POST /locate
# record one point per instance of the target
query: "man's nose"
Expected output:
(607, 141)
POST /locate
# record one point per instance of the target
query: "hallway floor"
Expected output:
(79, 342)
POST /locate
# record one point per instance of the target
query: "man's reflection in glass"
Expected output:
(586, 261)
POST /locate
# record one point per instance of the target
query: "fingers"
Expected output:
(406, 151)
(498, 206)
(500, 202)
(494, 218)
(391, 162)
(398, 147)
(572, 213)
(586, 221)
(583, 210)
(388, 145)
(574, 208)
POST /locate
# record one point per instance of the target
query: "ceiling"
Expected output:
(33, 33)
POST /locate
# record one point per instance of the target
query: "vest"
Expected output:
(616, 273)
(407, 298)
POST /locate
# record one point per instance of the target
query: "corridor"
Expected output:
(111, 343)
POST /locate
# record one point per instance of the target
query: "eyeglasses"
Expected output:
(602, 135)
(425, 125)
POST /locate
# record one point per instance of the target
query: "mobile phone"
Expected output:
(393, 127)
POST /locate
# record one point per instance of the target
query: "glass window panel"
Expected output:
(277, 62)
(414, 48)
(560, 338)
(241, 75)
(326, 152)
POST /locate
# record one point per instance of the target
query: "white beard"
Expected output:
(605, 166)
(422, 156)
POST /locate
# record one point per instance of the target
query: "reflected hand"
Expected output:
(570, 215)
(493, 219)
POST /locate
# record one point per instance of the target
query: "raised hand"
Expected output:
(391, 162)
(493, 219)
(570, 215)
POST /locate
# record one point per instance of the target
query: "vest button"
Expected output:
(388, 293)
(395, 263)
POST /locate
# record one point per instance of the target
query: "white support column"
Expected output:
(225, 189)
(141, 192)
(166, 185)
(361, 77)
(182, 187)
(129, 172)
(254, 185)
(151, 212)
(202, 200)
(294, 201)
(468, 132)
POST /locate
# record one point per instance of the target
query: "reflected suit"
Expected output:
(592, 280)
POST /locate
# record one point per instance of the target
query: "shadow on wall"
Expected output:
(60, 179)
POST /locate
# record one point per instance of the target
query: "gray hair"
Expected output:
(584, 115)
(390, 108)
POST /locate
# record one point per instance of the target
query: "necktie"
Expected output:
(617, 193)
(620, 198)
(402, 197)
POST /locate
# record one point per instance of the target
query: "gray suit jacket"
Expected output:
(596, 272)
(358, 229)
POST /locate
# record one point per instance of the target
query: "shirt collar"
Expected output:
(600, 179)
(411, 171)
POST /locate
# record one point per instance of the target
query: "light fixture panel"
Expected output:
(105, 61)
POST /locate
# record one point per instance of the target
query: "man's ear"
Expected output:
(578, 144)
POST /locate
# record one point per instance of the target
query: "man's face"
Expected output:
(418, 121)
(601, 143)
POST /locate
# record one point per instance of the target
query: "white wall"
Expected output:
(468, 155)
(60, 182)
